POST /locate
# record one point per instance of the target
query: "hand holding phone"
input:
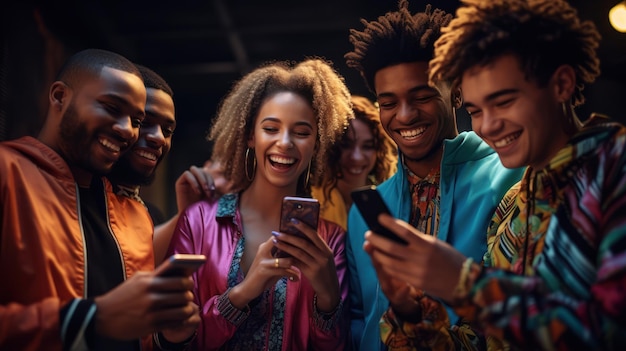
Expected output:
(370, 204)
(304, 209)
(180, 265)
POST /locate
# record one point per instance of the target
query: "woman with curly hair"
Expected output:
(271, 135)
(365, 155)
(554, 273)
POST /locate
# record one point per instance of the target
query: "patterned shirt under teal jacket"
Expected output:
(561, 284)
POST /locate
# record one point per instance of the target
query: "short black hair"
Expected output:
(153, 80)
(91, 62)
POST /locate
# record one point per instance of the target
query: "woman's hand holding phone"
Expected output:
(300, 240)
(302, 209)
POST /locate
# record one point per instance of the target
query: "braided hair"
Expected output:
(396, 37)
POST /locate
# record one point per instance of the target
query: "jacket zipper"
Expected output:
(82, 234)
(117, 244)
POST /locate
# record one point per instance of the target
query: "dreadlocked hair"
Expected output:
(313, 79)
(397, 37)
(543, 34)
(386, 155)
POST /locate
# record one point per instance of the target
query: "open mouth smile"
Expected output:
(281, 161)
(147, 155)
(506, 140)
(109, 145)
(412, 133)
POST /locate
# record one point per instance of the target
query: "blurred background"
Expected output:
(202, 47)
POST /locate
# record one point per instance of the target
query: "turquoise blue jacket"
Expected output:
(473, 181)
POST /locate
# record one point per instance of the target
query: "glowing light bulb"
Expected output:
(617, 17)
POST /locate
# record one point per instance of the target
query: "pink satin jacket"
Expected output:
(213, 228)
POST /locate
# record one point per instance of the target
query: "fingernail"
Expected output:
(212, 188)
(275, 233)
(274, 241)
(295, 221)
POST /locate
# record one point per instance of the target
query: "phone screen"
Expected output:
(371, 204)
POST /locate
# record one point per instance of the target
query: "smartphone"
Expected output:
(370, 204)
(180, 265)
(304, 209)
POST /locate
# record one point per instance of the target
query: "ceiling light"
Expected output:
(617, 17)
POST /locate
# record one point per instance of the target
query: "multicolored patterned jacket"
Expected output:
(555, 269)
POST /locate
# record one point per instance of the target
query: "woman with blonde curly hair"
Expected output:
(365, 155)
(271, 135)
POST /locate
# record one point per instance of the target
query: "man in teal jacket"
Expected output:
(447, 185)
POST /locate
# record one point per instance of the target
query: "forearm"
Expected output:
(31, 327)
(162, 237)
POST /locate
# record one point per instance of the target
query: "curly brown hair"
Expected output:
(543, 34)
(397, 37)
(314, 79)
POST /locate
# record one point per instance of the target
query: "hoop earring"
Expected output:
(564, 109)
(308, 175)
(570, 118)
(248, 176)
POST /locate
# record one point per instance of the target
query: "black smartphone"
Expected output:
(370, 204)
(304, 209)
(180, 265)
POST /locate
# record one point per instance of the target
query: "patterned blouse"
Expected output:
(433, 331)
(425, 197)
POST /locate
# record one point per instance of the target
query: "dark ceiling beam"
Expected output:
(265, 29)
(236, 45)
(91, 13)
(201, 68)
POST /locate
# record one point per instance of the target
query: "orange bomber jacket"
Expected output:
(42, 256)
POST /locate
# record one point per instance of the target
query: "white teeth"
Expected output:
(412, 133)
(145, 154)
(356, 170)
(283, 160)
(109, 145)
(506, 141)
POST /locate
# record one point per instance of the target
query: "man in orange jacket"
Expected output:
(75, 256)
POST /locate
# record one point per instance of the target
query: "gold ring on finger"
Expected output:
(276, 263)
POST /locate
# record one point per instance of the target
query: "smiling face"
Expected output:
(102, 120)
(521, 121)
(415, 115)
(138, 165)
(284, 137)
(358, 153)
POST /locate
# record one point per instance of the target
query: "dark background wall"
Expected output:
(202, 47)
